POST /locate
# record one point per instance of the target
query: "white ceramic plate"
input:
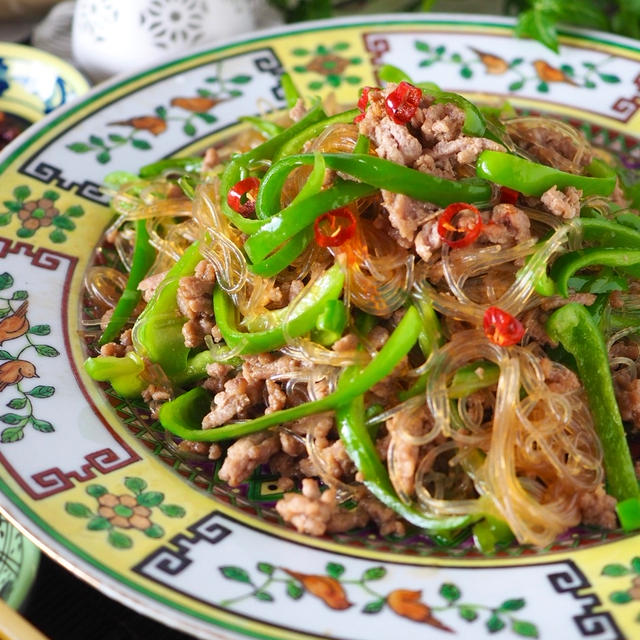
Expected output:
(210, 560)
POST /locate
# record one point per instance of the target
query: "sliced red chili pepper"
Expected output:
(508, 196)
(403, 102)
(242, 196)
(449, 232)
(362, 103)
(501, 327)
(334, 228)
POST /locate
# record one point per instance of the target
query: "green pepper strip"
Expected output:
(291, 94)
(158, 329)
(143, 256)
(282, 258)
(362, 451)
(533, 179)
(300, 320)
(266, 127)
(566, 265)
(330, 324)
(391, 73)
(378, 172)
(313, 131)
(180, 165)
(575, 329)
(297, 216)
(607, 232)
(396, 347)
(122, 373)
(362, 145)
(265, 151)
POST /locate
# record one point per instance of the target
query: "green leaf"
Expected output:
(78, 510)
(5, 219)
(449, 592)
(188, 129)
(96, 141)
(589, 65)
(139, 143)
(47, 351)
(172, 510)
(235, 93)
(117, 138)
(51, 195)
(209, 118)
(466, 72)
(524, 628)
(96, 490)
(425, 63)
(17, 403)
(205, 93)
(22, 192)
(5, 355)
(240, 79)
(515, 86)
(375, 573)
(353, 79)
(265, 596)
(456, 57)
(25, 233)
(539, 25)
(119, 540)
(150, 498)
(57, 236)
(422, 46)
(441, 49)
(154, 531)
(340, 46)
(512, 605)
(300, 52)
(20, 295)
(620, 597)
(6, 280)
(334, 570)
(40, 330)
(609, 77)
(515, 62)
(211, 79)
(75, 211)
(467, 613)
(568, 69)
(495, 623)
(235, 573)
(12, 434)
(590, 84)
(615, 570)
(635, 564)
(42, 391)
(79, 147)
(356, 60)
(267, 568)
(161, 112)
(42, 425)
(300, 69)
(103, 157)
(135, 485)
(5, 312)
(12, 418)
(62, 222)
(375, 606)
(316, 85)
(543, 87)
(98, 523)
(294, 590)
(12, 206)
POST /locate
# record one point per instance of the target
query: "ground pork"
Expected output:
(149, 285)
(238, 395)
(386, 519)
(298, 111)
(276, 397)
(465, 149)
(598, 509)
(405, 454)
(406, 214)
(211, 159)
(195, 301)
(564, 204)
(218, 374)
(428, 240)
(508, 225)
(558, 378)
(155, 396)
(627, 391)
(245, 455)
(318, 513)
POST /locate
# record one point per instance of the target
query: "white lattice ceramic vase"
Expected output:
(112, 36)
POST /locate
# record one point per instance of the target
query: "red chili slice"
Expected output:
(449, 231)
(242, 196)
(508, 196)
(363, 103)
(334, 228)
(403, 102)
(501, 327)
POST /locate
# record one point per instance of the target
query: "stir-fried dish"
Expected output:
(418, 313)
